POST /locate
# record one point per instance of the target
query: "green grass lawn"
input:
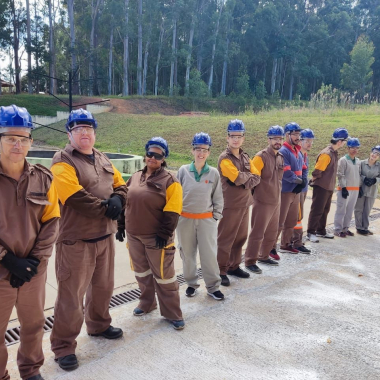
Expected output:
(127, 133)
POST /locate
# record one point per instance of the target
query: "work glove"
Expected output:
(299, 181)
(369, 181)
(311, 183)
(120, 234)
(297, 189)
(15, 281)
(114, 207)
(161, 242)
(304, 182)
(345, 193)
(361, 192)
(230, 183)
(24, 269)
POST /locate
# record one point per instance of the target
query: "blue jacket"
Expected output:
(294, 167)
(306, 163)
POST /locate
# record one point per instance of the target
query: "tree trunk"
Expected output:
(274, 76)
(172, 65)
(291, 82)
(70, 11)
(53, 82)
(93, 54)
(146, 56)
(139, 50)
(16, 43)
(126, 53)
(201, 43)
(188, 59)
(224, 74)
(28, 47)
(110, 60)
(213, 53)
(159, 56)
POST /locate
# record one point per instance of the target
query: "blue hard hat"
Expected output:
(78, 117)
(275, 130)
(353, 142)
(376, 148)
(158, 142)
(201, 138)
(14, 116)
(236, 126)
(340, 134)
(292, 127)
(307, 134)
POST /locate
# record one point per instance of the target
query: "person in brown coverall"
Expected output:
(154, 205)
(92, 192)
(238, 177)
(29, 214)
(266, 202)
(323, 184)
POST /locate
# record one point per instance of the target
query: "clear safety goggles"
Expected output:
(14, 139)
(82, 130)
(236, 137)
(201, 150)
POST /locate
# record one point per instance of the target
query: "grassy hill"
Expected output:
(127, 133)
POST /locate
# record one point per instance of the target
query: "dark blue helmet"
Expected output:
(276, 130)
(307, 134)
(376, 149)
(292, 127)
(340, 134)
(80, 116)
(236, 126)
(158, 142)
(353, 142)
(201, 138)
(14, 116)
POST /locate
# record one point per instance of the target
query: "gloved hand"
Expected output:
(369, 181)
(361, 192)
(114, 207)
(120, 234)
(297, 189)
(345, 193)
(304, 182)
(16, 282)
(230, 183)
(311, 183)
(299, 181)
(24, 269)
(161, 242)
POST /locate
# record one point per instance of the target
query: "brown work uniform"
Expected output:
(85, 247)
(154, 205)
(266, 205)
(323, 183)
(29, 213)
(238, 177)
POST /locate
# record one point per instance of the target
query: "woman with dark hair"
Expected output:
(154, 204)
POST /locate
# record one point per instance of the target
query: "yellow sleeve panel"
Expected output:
(174, 198)
(323, 161)
(258, 164)
(229, 170)
(51, 211)
(117, 178)
(65, 180)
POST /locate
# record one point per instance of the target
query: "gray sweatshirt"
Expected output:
(201, 194)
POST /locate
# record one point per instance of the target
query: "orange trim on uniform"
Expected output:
(298, 226)
(286, 168)
(348, 188)
(298, 172)
(203, 215)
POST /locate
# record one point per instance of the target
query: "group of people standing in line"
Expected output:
(83, 201)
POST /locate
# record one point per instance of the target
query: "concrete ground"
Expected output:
(312, 317)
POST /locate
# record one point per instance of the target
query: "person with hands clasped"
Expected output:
(197, 226)
(349, 181)
(238, 177)
(154, 204)
(92, 193)
(29, 215)
(370, 175)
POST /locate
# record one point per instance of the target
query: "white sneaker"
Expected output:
(313, 238)
(326, 236)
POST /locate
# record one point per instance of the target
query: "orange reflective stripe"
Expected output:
(298, 172)
(298, 226)
(348, 188)
(203, 215)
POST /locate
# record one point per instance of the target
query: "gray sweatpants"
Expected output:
(344, 210)
(363, 208)
(199, 234)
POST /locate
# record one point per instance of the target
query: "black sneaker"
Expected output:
(218, 295)
(303, 249)
(268, 262)
(369, 232)
(36, 377)
(190, 292)
(110, 333)
(225, 280)
(68, 362)
(238, 272)
(362, 232)
(254, 268)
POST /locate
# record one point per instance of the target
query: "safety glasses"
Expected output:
(82, 130)
(201, 150)
(13, 139)
(157, 156)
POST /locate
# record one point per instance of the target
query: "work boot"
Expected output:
(68, 362)
(369, 232)
(225, 280)
(349, 233)
(36, 377)
(178, 325)
(303, 249)
(110, 333)
(238, 272)
(268, 262)
(340, 234)
(362, 232)
(218, 295)
(254, 268)
(274, 255)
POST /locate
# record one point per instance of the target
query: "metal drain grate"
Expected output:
(12, 336)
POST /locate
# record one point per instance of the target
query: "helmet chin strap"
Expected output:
(73, 143)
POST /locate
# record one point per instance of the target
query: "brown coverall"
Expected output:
(85, 246)
(266, 206)
(29, 213)
(323, 182)
(154, 205)
(238, 176)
